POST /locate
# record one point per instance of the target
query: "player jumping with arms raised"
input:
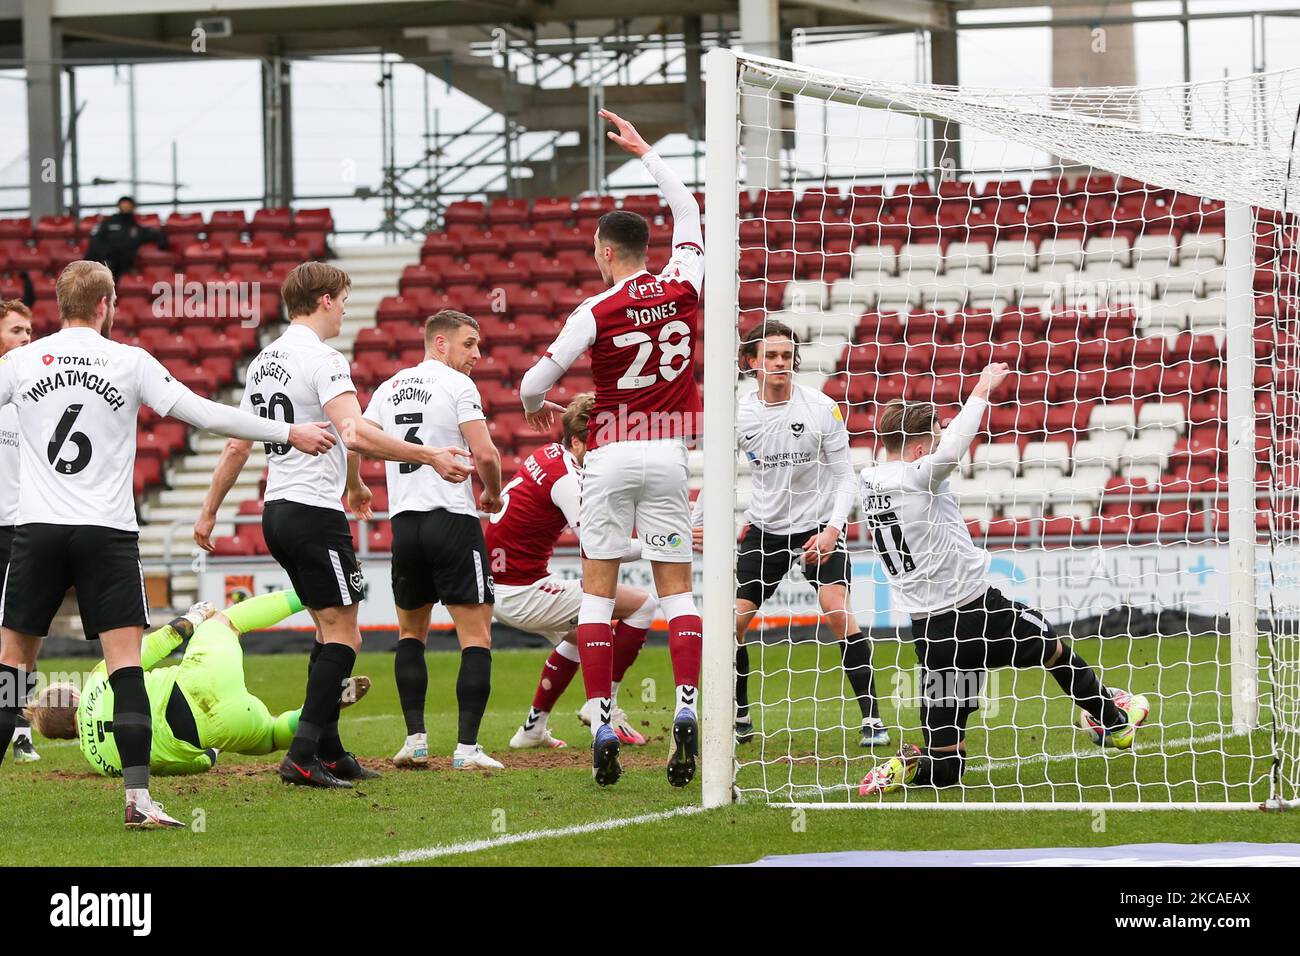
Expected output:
(804, 488)
(961, 626)
(641, 333)
(535, 508)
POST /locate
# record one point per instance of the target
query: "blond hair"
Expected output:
(577, 417)
(53, 712)
(80, 288)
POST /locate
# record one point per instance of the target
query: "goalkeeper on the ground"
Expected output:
(961, 626)
(199, 707)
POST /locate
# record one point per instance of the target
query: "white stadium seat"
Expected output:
(1200, 246)
(1208, 314)
(919, 258)
(1078, 495)
(1169, 415)
(1046, 456)
(1097, 453)
(1026, 496)
(851, 292)
(806, 295)
(875, 260)
(1117, 418)
(996, 456)
(1053, 252)
(967, 255)
(1162, 317)
(1147, 449)
(1011, 252)
(1157, 248)
(1103, 249)
(832, 327)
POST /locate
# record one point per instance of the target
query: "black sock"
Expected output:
(132, 725)
(331, 667)
(473, 685)
(412, 682)
(22, 723)
(855, 650)
(15, 688)
(940, 769)
(330, 745)
(316, 648)
(1081, 682)
(742, 682)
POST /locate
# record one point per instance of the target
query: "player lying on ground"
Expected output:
(535, 508)
(804, 488)
(78, 394)
(641, 333)
(199, 708)
(438, 552)
(961, 626)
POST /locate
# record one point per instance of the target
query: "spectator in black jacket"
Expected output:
(118, 237)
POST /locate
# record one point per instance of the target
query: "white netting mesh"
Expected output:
(1082, 239)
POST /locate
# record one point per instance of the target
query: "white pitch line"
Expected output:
(474, 846)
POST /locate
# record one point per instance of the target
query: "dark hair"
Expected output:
(626, 231)
(762, 330)
(446, 322)
(903, 422)
(122, 199)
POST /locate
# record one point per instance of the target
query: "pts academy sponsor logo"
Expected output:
(76, 909)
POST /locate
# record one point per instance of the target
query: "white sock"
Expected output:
(613, 694)
(464, 750)
(139, 796)
(416, 738)
(686, 698)
(599, 711)
(22, 732)
(535, 723)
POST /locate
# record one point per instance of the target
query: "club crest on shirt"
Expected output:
(797, 428)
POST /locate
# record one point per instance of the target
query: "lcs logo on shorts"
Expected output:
(673, 540)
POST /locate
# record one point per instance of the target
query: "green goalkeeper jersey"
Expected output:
(95, 714)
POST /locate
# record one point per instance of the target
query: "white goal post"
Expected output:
(1130, 252)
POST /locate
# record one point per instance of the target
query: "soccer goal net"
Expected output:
(1130, 254)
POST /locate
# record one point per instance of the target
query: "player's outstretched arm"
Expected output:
(311, 438)
(961, 431)
(367, 438)
(233, 458)
(685, 210)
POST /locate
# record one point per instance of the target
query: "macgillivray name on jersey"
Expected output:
(76, 379)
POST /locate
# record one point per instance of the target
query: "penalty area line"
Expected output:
(474, 846)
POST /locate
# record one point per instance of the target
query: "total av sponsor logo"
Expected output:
(76, 909)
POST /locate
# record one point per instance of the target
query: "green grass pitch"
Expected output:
(57, 813)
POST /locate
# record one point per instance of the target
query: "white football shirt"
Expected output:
(798, 454)
(426, 404)
(292, 380)
(9, 466)
(77, 395)
(916, 527)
